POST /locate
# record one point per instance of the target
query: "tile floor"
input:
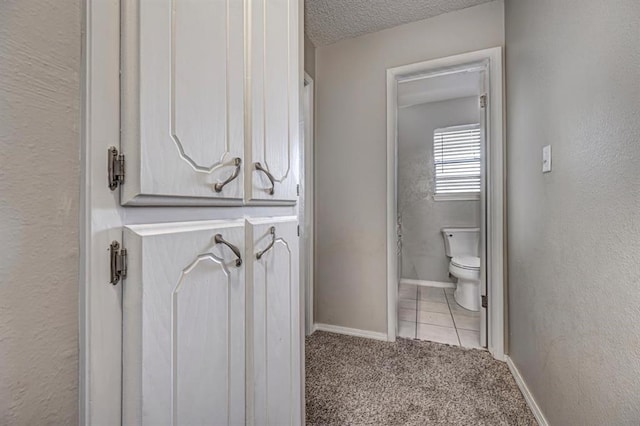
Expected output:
(429, 313)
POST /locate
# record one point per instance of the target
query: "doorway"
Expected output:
(477, 74)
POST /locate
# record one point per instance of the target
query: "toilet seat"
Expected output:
(471, 263)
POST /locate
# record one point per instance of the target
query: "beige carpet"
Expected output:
(356, 381)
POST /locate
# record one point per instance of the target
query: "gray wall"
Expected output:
(423, 256)
(573, 70)
(350, 277)
(39, 192)
(309, 57)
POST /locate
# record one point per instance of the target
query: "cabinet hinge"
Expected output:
(115, 166)
(483, 101)
(118, 262)
(484, 301)
(298, 190)
(298, 230)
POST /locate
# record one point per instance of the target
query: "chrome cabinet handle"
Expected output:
(269, 176)
(272, 231)
(219, 240)
(236, 162)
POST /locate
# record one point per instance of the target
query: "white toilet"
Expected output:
(461, 245)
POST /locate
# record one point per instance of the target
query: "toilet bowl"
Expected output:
(461, 245)
(467, 270)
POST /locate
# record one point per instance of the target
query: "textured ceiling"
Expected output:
(328, 21)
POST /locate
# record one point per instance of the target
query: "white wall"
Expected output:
(39, 192)
(350, 281)
(423, 255)
(573, 81)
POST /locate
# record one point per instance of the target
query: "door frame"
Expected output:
(307, 217)
(495, 194)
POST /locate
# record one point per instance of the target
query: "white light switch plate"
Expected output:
(546, 159)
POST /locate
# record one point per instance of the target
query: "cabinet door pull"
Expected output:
(269, 176)
(236, 162)
(219, 240)
(272, 231)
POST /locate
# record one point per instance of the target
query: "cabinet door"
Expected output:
(182, 101)
(274, 101)
(276, 330)
(183, 325)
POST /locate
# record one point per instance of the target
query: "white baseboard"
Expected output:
(350, 331)
(425, 283)
(531, 402)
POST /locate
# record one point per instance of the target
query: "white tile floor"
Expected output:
(429, 313)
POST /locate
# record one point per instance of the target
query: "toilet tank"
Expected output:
(461, 241)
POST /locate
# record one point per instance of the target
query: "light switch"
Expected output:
(546, 159)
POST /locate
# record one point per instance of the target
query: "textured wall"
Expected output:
(423, 218)
(351, 152)
(574, 234)
(39, 192)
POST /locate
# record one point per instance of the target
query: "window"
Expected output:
(456, 154)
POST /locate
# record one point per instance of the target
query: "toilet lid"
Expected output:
(466, 262)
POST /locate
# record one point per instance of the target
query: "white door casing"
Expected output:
(495, 186)
(182, 113)
(274, 87)
(305, 203)
(483, 103)
(184, 324)
(274, 363)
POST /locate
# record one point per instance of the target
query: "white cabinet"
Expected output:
(203, 303)
(274, 368)
(274, 81)
(184, 324)
(182, 101)
(209, 116)
(191, 95)
(208, 102)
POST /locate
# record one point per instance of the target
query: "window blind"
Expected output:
(456, 152)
